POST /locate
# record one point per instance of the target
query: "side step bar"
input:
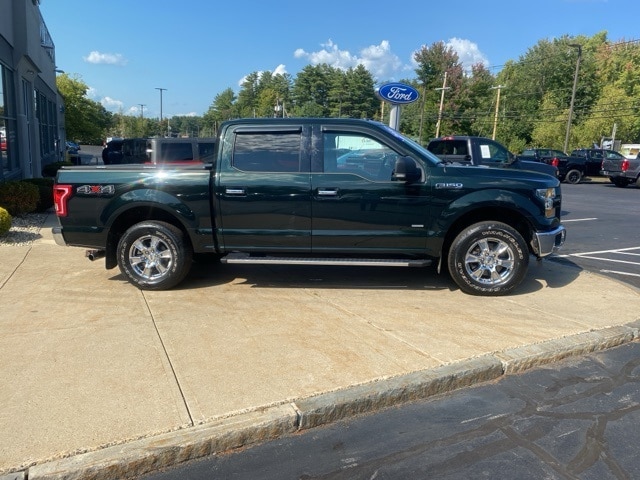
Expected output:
(364, 262)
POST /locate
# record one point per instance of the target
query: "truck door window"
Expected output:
(359, 154)
(493, 152)
(267, 152)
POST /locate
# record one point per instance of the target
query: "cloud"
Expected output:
(112, 104)
(468, 52)
(377, 59)
(279, 70)
(105, 58)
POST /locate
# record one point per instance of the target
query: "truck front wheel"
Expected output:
(488, 258)
(154, 255)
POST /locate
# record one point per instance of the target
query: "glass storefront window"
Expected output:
(8, 134)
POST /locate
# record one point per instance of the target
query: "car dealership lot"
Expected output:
(603, 235)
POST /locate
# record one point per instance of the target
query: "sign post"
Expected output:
(396, 94)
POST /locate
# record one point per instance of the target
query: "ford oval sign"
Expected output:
(397, 93)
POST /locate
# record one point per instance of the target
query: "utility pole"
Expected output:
(495, 118)
(573, 94)
(142, 105)
(161, 127)
(444, 87)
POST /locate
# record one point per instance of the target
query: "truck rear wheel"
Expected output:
(573, 176)
(154, 255)
(488, 258)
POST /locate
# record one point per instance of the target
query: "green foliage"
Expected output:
(535, 95)
(5, 221)
(45, 192)
(19, 197)
(85, 119)
(51, 169)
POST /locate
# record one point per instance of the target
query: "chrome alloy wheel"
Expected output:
(150, 257)
(489, 261)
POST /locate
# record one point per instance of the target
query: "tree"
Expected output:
(85, 120)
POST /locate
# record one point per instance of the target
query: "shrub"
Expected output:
(5, 221)
(19, 197)
(45, 190)
(51, 169)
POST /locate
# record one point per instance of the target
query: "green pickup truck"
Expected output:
(312, 192)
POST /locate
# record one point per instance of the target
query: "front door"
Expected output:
(357, 207)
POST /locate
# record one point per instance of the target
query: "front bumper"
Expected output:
(57, 236)
(546, 243)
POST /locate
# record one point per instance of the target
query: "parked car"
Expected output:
(72, 147)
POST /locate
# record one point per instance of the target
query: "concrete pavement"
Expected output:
(101, 380)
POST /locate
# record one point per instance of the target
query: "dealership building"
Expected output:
(31, 109)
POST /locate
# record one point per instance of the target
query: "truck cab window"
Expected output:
(267, 152)
(358, 154)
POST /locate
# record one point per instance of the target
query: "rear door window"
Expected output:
(267, 152)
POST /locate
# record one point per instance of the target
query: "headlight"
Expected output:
(547, 195)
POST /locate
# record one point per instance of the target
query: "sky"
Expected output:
(125, 51)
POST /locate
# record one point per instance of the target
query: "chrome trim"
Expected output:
(546, 243)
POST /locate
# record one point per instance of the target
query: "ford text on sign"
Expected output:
(398, 93)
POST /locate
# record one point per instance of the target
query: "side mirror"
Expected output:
(406, 170)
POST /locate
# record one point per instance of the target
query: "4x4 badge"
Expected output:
(97, 189)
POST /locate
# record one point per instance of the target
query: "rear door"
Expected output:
(264, 188)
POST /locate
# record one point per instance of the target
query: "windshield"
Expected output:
(412, 144)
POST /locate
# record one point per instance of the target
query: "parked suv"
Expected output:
(181, 151)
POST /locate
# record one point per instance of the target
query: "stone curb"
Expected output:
(169, 449)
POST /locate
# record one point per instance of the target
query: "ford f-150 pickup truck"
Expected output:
(312, 191)
(481, 151)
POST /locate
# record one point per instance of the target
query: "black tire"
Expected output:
(154, 255)
(573, 176)
(620, 182)
(488, 258)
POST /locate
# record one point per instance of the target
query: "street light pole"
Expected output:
(161, 90)
(573, 94)
(142, 105)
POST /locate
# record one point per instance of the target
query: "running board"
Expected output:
(351, 262)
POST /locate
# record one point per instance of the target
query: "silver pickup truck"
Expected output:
(621, 171)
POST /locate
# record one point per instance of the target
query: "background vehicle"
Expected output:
(571, 169)
(621, 170)
(112, 151)
(478, 151)
(180, 151)
(72, 147)
(593, 158)
(276, 194)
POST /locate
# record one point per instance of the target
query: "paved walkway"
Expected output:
(101, 380)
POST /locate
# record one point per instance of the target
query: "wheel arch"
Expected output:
(134, 215)
(502, 214)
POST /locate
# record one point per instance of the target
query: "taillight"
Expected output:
(61, 194)
(625, 165)
(555, 162)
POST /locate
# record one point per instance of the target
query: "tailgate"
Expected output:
(611, 165)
